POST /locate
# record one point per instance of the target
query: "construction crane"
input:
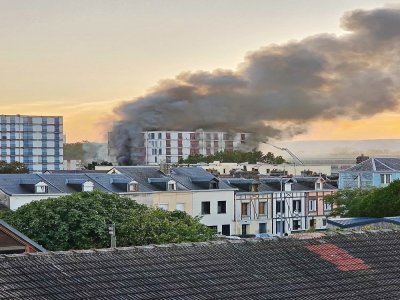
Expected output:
(295, 158)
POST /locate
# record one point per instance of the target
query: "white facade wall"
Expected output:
(17, 201)
(214, 218)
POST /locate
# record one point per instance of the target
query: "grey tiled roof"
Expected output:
(346, 266)
(298, 184)
(187, 178)
(141, 174)
(12, 184)
(376, 164)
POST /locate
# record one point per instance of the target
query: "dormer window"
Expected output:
(319, 184)
(254, 187)
(87, 186)
(171, 185)
(133, 186)
(41, 188)
(213, 185)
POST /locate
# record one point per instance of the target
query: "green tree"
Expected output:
(93, 164)
(12, 167)
(81, 220)
(236, 156)
(374, 202)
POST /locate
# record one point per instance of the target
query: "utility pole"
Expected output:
(111, 231)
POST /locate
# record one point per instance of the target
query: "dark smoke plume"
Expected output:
(278, 89)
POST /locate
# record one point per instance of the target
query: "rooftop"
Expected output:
(340, 266)
(377, 164)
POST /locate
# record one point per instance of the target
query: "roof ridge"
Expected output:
(297, 237)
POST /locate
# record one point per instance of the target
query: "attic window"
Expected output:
(41, 188)
(171, 186)
(254, 187)
(213, 185)
(133, 186)
(318, 186)
(87, 186)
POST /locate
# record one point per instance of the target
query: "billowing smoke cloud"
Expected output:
(278, 89)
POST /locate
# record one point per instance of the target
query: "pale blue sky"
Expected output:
(73, 57)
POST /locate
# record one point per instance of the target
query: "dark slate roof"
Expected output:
(187, 178)
(376, 164)
(60, 183)
(360, 221)
(11, 183)
(21, 236)
(116, 183)
(345, 266)
(141, 175)
(243, 184)
(298, 183)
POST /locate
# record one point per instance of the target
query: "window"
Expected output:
(318, 186)
(280, 206)
(244, 229)
(160, 151)
(133, 186)
(159, 135)
(205, 208)
(163, 206)
(213, 185)
(245, 209)
(214, 228)
(296, 225)
(226, 229)
(297, 205)
(327, 206)
(262, 227)
(280, 227)
(386, 178)
(171, 186)
(312, 205)
(41, 188)
(261, 208)
(87, 186)
(324, 222)
(222, 207)
(180, 207)
(254, 187)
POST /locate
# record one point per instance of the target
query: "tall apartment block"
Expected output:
(36, 141)
(171, 146)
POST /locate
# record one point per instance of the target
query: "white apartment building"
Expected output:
(36, 141)
(172, 146)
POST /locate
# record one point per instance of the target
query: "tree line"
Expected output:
(81, 221)
(373, 202)
(236, 156)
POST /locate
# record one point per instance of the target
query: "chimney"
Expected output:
(165, 168)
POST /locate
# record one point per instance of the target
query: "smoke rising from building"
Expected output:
(278, 89)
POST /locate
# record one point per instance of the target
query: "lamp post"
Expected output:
(111, 231)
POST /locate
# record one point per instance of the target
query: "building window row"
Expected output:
(206, 207)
